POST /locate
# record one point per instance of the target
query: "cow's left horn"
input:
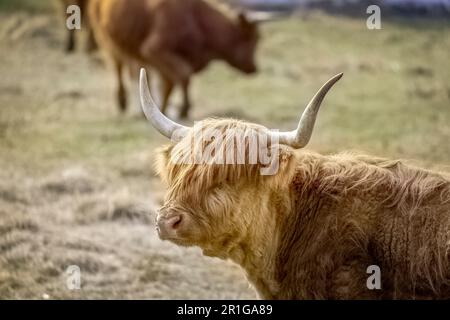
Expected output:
(164, 125)
(300, 137)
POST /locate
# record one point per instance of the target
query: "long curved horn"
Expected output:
(164, 125)
(300, 137)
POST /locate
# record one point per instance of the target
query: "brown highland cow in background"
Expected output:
(176, 38)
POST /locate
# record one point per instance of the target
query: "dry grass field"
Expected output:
(76, 179)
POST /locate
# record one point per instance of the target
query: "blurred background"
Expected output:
(76, 179)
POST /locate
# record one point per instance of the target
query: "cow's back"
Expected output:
(120, 26)
(125, 28)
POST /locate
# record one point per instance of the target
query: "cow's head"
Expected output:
(243, 51)
(213, 195)
(244, 48)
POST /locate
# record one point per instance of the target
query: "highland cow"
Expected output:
(176, 38)
(312, 229)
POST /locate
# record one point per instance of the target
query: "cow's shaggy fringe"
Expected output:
(403, 186)
(184, 174)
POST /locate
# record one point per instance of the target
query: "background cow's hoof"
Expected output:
(91, 46)
(122, 106)
(183, 116)
(184, 113)
(70, 47)
(122, 101)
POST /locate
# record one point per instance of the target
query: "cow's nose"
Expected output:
(167, 226)
(251, 69)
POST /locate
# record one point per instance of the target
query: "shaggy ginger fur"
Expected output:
(311, 230)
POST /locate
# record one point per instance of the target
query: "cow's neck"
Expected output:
(256, 251)
(222, 32)
(223, 47)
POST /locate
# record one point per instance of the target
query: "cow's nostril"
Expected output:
(174, 222)
(167, 226)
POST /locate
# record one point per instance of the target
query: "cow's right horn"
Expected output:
(299, 137)
(164, 125)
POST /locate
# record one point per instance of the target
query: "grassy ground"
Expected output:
(76, 185)
(26, 5)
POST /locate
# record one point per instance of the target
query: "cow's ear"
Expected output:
(161, 163)
(243, 20)
(286, 167)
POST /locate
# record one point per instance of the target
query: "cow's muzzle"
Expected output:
(168, 224)
(251, 69)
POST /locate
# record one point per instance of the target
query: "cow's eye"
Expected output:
(214, 188)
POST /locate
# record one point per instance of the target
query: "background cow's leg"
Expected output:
(70, 42)
(70, 35)
(121, 91)
(166, 90)
(186, 100)
(91, 43)
(173, 67)
(178, 71)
